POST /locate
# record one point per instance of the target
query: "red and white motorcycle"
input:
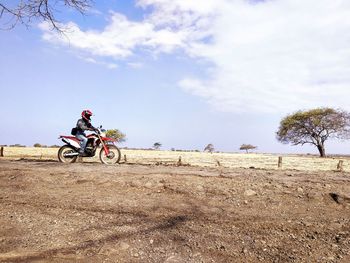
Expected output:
(109, 153)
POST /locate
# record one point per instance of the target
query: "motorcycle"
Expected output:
(109, 153)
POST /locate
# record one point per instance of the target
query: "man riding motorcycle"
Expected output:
(83, 124)
(86, 146)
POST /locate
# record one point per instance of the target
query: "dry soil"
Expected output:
(89, 212)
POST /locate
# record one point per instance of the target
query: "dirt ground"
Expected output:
(89, 212)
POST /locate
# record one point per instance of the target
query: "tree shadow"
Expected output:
(143, 222)
(31, 160)
(167, 223)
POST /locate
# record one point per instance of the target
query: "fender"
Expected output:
(71, 141)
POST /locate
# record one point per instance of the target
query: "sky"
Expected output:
(184, 73)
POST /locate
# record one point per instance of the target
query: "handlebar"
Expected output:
(98, 130)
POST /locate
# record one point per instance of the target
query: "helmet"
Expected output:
(86, 114)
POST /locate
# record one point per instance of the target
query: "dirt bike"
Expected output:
(109, 153)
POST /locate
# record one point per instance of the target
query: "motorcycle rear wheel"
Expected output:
(113, 157)
(64, 150)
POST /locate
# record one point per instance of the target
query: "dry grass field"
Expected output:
(227, 160)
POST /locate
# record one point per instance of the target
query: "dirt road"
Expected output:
(51, 212)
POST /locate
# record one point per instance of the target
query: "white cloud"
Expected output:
(117, 40)
(94, 61)
(264, 56)
(135, 65)
(276, 56)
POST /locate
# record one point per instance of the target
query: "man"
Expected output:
(83, 124)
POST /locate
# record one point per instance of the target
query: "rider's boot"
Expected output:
(82, 153)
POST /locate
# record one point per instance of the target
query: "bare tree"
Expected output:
(25, 11)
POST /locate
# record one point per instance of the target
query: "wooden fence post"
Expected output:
(179, 162)
(125, 160)
(280, 162)
(2, 151)
(340, 166)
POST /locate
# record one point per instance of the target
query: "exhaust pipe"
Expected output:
(71, 154)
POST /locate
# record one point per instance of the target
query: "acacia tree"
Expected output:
(314, 127)
(209, 148)
(247, 147)
(25, 11)
(157, 145)
(116, 134)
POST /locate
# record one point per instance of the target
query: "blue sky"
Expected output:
(223, 72)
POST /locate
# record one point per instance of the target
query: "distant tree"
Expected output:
(314, 127)
(116, 134)
(26, 11)
(17, 145)
(157, 145)
(38, 145)
(247, 147)
(54, 146)
(209, 148)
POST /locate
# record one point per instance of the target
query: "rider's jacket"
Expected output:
(83, 125)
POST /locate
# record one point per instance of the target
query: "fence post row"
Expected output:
(2, 151)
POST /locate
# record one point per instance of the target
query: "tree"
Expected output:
(314, 127)
(25, 11)
(247, 147)
(17, 145)
(209, 148)
(116, 134)
(157, 145)
(38, 145)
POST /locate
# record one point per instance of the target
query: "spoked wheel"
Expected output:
(113, 157)
(66, 154)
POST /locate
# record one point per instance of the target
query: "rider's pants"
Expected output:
(83, 141)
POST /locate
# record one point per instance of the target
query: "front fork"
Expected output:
(103, 145)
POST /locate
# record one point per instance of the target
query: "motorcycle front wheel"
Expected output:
(113, 157)
(65, 154)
